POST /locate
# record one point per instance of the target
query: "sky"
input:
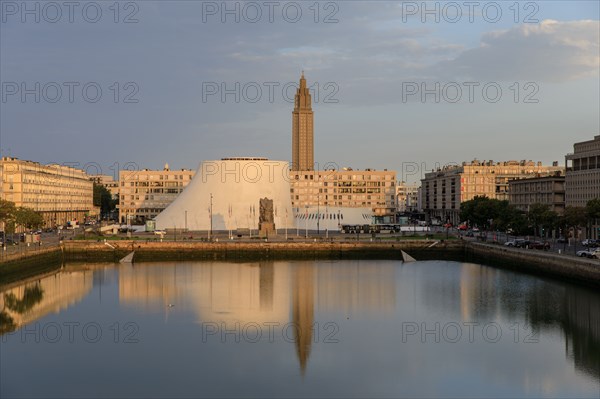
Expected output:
(405, 86)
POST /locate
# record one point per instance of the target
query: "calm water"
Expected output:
(326, 329)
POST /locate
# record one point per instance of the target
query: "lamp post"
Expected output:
(318, 214)
(211, 218)
(306, 222)
(286, 222)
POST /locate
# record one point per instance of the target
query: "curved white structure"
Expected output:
(234, 186)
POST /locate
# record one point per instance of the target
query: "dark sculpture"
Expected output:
(266, 211)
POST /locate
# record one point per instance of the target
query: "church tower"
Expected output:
(302, 129)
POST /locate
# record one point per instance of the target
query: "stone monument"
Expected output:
(266, 221)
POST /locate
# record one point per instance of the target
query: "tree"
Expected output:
(103, 199)
(592, 209)
(7, 216)
(541, 216)
(573, 217)
(7, 210)
(28, 218)
(485, 212)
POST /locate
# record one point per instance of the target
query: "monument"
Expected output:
(266, 224)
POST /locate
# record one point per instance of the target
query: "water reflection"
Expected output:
(484, 293)
(381, 294)
(34, 299)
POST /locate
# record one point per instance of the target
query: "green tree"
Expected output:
(103, 199)
(7, 216)
(28, 218)
(7, 210)
(573, 217)
(592, 209)
(542, 218)
(484, 212)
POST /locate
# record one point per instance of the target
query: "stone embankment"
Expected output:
(112, 251)
(563, 267)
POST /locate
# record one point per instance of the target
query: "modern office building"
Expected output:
(59, 193)
(582, 176)
(302, 129)
(444, 189)
(548, 190)
(146, 193)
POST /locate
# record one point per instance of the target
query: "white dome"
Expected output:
(236, 186)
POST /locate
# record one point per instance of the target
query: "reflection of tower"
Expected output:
(303, 311)
(302, 129)
(266, 285)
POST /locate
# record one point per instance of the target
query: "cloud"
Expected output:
(550, 51)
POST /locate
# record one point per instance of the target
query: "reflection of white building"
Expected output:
(215, 292)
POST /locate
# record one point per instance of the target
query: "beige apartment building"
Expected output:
(146, 193)
(407, 197)
(367, 188)
(109, 183)
(444, 189)
(60, 193)
(549, 190)
(582, 176)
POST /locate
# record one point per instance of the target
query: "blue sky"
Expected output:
(365, 62)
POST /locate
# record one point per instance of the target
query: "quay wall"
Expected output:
(560, 266)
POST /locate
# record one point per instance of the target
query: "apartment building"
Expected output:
(549, 190)
(375, 189)
(146, 193)
(444, 189)
(59, 193)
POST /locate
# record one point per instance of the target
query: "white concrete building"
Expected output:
(226, 194)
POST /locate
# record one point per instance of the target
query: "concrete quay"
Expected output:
(113, 251)
(560, 266)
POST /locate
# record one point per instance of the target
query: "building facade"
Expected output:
(549, 190)
(146, 193)
(582, 176)
(443, 190)
(59, 193)
(407, 197)
(374, 189)
(302, 129)
(109, 183)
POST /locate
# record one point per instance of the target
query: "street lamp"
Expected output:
(318, 211)
(211, 218)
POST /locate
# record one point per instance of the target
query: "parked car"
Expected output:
(521, 243)
(9, 241)
(589, 243)
(589, 253)
(562, 240)
(540, 245)
(511, 243)
(160, 232)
